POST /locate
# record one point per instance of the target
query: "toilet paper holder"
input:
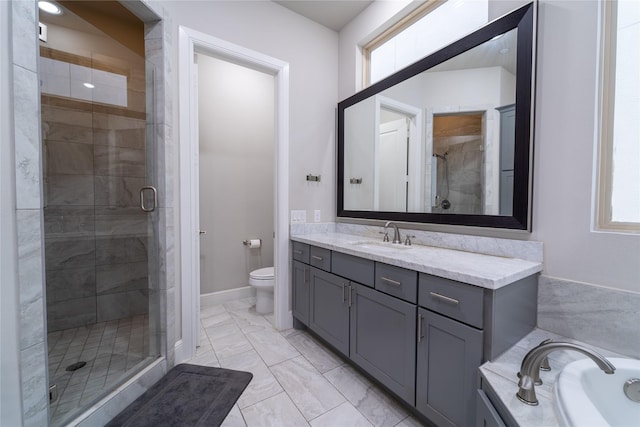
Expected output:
(252, 243)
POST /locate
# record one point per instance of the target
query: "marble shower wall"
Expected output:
(96, 236)
(464, 173)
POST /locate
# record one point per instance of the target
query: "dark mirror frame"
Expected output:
(523, 19)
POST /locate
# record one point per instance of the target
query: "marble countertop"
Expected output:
(487, 271)
(501, 374)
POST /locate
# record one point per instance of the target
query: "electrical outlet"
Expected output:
(298, 216)
(316, 215)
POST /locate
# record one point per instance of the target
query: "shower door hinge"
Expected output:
(53, 393)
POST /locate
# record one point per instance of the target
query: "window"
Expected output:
(433, 25)
(618, 201)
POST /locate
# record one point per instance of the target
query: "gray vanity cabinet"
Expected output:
(383, 339)
(421, 336)
(486, 414)
(300, 286)
(329, 314)
(448, 355)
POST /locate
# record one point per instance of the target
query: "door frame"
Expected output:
(416, 152)
(190, 42)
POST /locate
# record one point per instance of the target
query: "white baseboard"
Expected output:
(219, 297)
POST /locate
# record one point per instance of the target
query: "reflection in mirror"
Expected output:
(442, 141)
(456, 104)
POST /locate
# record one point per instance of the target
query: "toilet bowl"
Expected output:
(263, 279)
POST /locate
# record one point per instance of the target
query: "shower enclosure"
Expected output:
(99, 220)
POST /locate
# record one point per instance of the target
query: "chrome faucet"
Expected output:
(530, 369)
(396, 231)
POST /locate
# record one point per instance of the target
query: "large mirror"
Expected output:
(447, 140)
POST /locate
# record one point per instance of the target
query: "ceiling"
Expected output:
(333, 14)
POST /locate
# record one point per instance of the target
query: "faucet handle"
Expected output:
(407, 240)
(544, 365)
(386, 235)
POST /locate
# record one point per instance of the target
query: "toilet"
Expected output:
(263, 280)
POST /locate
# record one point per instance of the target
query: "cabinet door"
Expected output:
(486, 414)
(329, 316)
(383, 339)
(301, 292)
(449, 354)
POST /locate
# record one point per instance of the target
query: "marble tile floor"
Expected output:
(110, 350)
(297, 381)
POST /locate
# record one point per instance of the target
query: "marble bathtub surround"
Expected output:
(501, 375)
(599, 316)
(510, 248)
(486, 271)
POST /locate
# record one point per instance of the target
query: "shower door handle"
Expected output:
(155, 198)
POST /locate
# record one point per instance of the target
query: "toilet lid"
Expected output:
(262, 273)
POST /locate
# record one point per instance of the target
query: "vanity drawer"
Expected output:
(397, 281)
(354, 268)
(452, 299)
(320, 258)
(301, 252)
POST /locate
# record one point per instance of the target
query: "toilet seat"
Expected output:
(266, 273)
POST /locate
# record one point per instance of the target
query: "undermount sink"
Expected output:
(376, 244)
(586, 396)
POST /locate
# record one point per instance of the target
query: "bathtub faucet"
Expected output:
(530, 368)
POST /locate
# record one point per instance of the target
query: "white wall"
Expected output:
(312, 53)
(564, 141)
(236, 123)
(359, 155)
(564, 158)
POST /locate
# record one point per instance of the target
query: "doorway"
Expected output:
(192, 42)
(236, 173)
(399, 151)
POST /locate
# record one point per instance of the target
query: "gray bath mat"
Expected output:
(189, 395)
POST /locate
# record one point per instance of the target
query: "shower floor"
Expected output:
(110, 350)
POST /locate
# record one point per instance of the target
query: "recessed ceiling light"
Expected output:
(49, 7)
(89, 85)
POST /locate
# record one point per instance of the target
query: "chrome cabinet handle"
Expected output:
(390, 281)
(155, 198)
(319, 258)
(344, 288)
(350, 292)
(420, 318)
(444, 298)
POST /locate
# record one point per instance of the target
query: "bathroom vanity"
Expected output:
(418, 319)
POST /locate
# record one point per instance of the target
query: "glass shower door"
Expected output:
(101, 224)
